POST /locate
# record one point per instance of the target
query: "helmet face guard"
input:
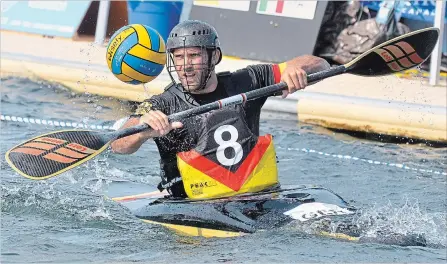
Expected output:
(192, 33)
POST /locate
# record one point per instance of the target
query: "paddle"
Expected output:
(51, 154)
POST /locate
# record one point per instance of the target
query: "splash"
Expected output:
(98, 213)
(56, 200)
(392, 224)
(407, 220)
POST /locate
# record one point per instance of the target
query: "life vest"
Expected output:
(228, 158)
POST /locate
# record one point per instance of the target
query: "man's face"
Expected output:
(191, 66)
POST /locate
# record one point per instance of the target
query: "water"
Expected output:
(67, 220)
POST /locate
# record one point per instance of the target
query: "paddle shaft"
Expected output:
(232, 100)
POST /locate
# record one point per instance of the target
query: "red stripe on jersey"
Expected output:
(221, 174)
(276, 73)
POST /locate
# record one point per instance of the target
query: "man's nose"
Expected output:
(188, 60)
(188, 68)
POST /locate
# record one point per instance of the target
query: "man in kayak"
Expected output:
(219, 153)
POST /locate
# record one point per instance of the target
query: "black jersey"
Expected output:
(173, 100)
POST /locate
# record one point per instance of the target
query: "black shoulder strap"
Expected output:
(225, 78)
(169, 86)
(177, 90)
(223, 74)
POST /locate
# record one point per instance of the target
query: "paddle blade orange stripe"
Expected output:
(56, 141)
(59, 158)
(70, 153)
(39, 145)
(80, 148)
(29, 151)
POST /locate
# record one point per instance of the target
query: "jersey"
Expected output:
(228, 158)
(174, 100)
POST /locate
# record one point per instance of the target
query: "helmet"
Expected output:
(193, 33)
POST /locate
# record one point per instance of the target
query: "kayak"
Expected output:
(231, 216)
(328, 214)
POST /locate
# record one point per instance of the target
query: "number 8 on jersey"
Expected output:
(225, 144)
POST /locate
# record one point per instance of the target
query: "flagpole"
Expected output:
(435, 62)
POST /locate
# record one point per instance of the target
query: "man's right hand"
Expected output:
(159, 123)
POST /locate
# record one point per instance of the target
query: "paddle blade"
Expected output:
(48, 155)
(398, 54)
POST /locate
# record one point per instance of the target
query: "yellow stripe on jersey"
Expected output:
(199, 185)
(282, 66)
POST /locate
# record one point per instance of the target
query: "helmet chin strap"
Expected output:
(209, 70)
(204, 82)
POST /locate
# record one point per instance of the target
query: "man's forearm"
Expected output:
(129, 144)
(309, 63)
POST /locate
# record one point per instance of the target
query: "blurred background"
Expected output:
(378, 143)
(263, 30)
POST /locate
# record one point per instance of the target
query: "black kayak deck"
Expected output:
(232, 216)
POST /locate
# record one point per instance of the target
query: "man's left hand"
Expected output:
(296, 79)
